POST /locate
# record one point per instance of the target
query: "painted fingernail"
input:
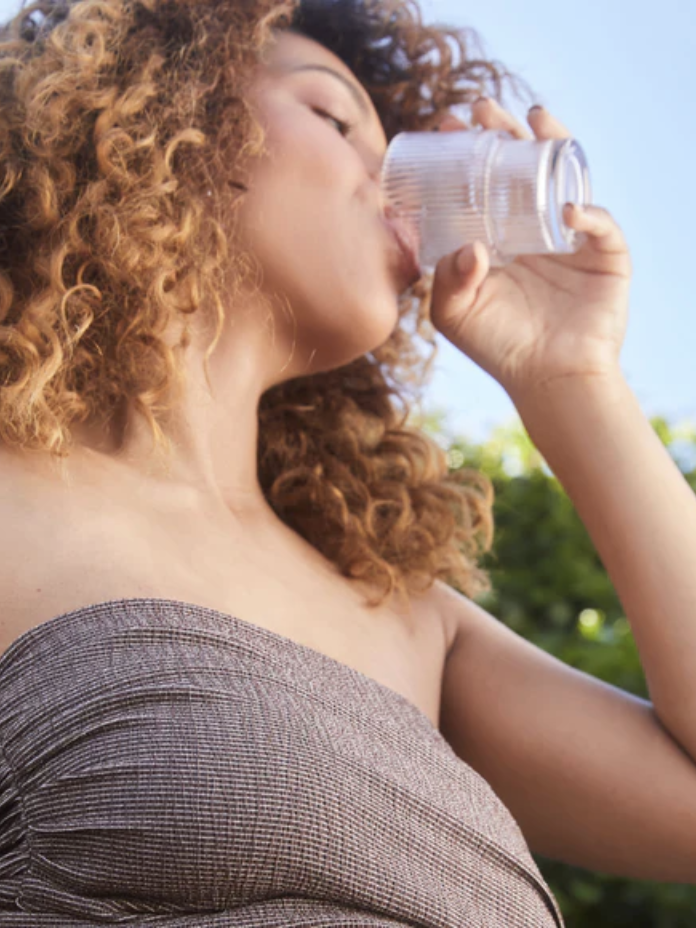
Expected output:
(537, 107)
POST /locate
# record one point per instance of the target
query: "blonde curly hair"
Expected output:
(116, 119)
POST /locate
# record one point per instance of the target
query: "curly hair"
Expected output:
(116, 117)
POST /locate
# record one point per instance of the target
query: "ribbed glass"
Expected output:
(487, 186)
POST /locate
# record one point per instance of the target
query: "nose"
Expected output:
(376, 175)
(382, 204)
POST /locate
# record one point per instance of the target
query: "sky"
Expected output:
(621, 77)
(622, 81)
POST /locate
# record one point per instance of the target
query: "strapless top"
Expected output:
(164, 764)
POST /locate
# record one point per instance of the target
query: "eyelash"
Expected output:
(345, 127)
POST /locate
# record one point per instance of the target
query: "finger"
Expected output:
(451, 123)
(547, 126)
(458, 278)
(489, 114)
(602, 230)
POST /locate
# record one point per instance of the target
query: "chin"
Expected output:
(335, 331)
(375, 321)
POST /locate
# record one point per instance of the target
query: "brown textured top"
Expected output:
(165, 764)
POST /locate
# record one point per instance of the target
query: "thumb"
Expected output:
(458, 278)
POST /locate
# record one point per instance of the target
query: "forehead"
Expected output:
(287, 47)
(288, 51)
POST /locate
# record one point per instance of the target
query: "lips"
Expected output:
(406, 237)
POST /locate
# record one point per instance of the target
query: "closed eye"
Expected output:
(343, 127)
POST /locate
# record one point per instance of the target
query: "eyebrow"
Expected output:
(358, 96)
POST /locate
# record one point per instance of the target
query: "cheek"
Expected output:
(308, 149)
(310, 219)
(342, 299)
(297, 210)
(320, 246)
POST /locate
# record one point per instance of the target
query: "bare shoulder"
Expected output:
(456, 612)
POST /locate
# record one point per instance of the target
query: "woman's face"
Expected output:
(314, 215)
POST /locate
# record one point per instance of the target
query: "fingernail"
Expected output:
(537, 107)
(466, 259)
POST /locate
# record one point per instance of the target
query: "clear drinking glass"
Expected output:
(485, 185)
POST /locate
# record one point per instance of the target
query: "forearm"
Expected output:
(641, 516)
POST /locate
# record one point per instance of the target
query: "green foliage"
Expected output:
(550, 586)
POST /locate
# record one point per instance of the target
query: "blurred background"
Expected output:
(595, 67)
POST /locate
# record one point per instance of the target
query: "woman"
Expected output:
(234, 687)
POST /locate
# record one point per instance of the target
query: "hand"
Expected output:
(542, 317)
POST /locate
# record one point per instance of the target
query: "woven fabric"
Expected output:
(164, 764)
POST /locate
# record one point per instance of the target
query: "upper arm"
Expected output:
(587, 770)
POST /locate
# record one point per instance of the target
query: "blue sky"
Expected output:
(622, 78)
